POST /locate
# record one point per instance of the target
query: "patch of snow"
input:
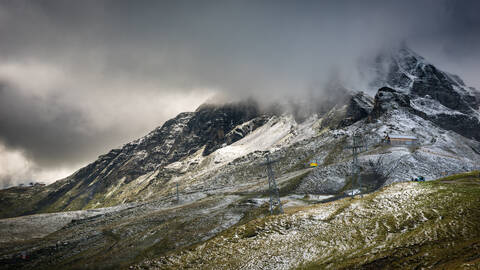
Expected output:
(431, 106)
(353, 192)
(40, 225)
(276, 133)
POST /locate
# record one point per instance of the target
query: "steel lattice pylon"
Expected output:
(358, 144)
(275, 202)
(178, 195)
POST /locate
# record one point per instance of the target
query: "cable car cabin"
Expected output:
(400, 140)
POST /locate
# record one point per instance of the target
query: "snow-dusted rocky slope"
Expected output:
(438, 96)
(213, 156)
(403, 226)
(218, 146)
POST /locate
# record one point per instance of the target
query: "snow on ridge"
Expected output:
(431, 106)
(438, 150)
(276, 133)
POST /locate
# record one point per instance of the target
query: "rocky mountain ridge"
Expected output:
(207, 148)
(127, 210)
(435, 95)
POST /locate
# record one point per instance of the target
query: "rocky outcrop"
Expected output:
(409, 72)
(212, 123)
(388, 99)
(244, 129)
(437, 96)
(209, 128)
(353, 107)
(463, 124)
(359, 107)
(445, 88)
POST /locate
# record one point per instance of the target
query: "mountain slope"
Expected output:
(435, 95)
(406, 225)
(217, 146)
(214, 155)
(207, 129)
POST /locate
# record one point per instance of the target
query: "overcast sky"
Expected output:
(78, 78)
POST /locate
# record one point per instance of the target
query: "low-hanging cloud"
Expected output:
(80, 77)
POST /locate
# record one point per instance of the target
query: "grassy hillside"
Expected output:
(16, 201)
(405, 225)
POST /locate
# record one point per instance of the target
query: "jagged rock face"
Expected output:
(352, 108)
(410, 78)
(210, 127)
(388, 99)
(465, 125)
(441, 86)
(157, 148)
(411, 73)
(360, 106)
(244, 129)
(212, 124)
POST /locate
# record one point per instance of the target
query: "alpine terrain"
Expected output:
(194, 193)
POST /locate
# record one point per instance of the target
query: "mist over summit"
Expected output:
(161, 200)
(239, 134)
(221, 132)
(87, 77)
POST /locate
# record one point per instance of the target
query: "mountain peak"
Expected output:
(406, 71)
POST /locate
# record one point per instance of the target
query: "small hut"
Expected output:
(401, 139)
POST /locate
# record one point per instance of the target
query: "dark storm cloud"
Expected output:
(80, 77)
(49, 129)
(462, 28)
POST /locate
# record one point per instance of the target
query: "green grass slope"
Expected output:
(403, 226)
